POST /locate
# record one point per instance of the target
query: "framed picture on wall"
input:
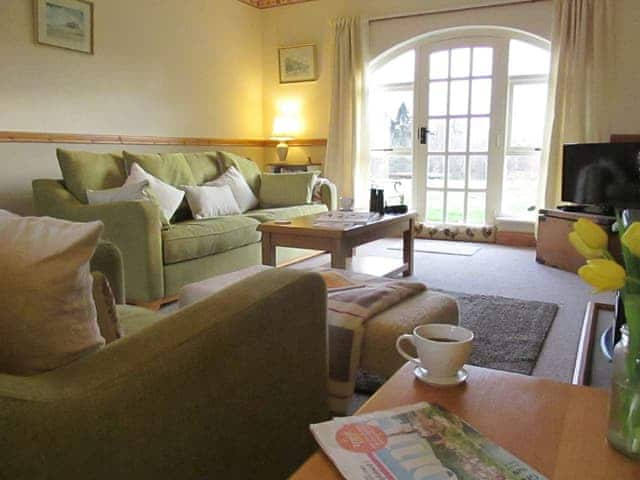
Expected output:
(297, 64)
(65, 24)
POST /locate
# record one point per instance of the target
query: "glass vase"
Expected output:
(624, 406)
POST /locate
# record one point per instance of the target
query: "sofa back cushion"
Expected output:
(286, 189)
(205, 166)
(48, 316)
(84, 171)
(248, 168)
(171, 168)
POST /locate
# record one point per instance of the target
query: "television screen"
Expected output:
(604, 174)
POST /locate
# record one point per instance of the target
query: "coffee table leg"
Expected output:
(339, 256)
(407, 249)
(268, 250)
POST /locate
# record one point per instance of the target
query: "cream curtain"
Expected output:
(578, 111)
(344, 143)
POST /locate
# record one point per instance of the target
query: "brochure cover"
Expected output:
(417, 442)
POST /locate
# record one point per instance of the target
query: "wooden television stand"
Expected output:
(553, 247)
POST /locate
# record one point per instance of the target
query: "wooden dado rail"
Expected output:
(39, 137)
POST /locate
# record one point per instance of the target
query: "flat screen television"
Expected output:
(602, 174)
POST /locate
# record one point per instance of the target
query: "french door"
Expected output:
(459, 114)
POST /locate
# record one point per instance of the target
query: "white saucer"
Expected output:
(423, 375)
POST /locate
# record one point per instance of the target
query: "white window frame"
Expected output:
(500, 106)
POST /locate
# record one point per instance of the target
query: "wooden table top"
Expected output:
(557, 428)
(305, 225)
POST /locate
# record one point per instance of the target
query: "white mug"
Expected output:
(442, 349)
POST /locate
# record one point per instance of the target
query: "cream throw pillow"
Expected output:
(208, 201)
(47, 314)
(239, 186)
(168, 197)
(126, 193)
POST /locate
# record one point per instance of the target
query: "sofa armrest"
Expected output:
(107, 259)
(329, 195)
(224, 388)
(134, 227)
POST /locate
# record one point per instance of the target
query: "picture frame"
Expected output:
(297, 63)
(64, 24)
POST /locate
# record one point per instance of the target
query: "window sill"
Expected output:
(516, 224)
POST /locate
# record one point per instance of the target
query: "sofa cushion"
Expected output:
(201, 238)
(211, 201)
(48, 316)
(286, 189)
(205, 166)
(108, 321)
(241, 190)
(248, 168)
(286, 213)
(127, 193)
(171, 168)
(133, 319)
(84, 171)
(167, 197)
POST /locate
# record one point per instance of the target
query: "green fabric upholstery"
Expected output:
(180, 274)
(285, 213)
(171, 168)
(286, 189)
(249, 170)
(134, 227)
(177, 275)
(205, 166)
(201, 238)
(133, 319)
(84, 171)
(108, 259)
(214, 390)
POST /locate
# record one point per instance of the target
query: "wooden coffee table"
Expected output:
(340, 242)
(557, 428)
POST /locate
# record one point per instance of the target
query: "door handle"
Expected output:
(422, 134)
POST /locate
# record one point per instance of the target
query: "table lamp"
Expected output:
(284, 129)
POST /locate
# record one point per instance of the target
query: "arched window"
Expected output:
(456, 123)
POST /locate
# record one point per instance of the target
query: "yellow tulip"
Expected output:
(584, 249)
(591, 234)
(631, 238)
(603, 275)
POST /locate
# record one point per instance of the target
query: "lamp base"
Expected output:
(283, 149)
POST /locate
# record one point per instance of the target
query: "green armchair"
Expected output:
(224, 388)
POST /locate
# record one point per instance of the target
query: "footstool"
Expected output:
(378, 353)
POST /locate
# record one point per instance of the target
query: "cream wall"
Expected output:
(309, 23)
(161, 67)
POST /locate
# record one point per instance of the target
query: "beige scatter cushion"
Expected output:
(209, 202)
(48, 318)
(108, 321)
(239, 187)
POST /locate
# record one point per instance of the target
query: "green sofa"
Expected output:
(160, 260)
(215, 390)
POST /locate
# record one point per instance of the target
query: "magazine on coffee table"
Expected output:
(420, 441)
(339, 219)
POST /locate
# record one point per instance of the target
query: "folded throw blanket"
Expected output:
(348, 310)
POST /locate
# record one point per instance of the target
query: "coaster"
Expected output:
(423, 375)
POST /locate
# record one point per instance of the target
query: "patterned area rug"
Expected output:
(509, 333)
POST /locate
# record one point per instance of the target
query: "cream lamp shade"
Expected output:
(285, 127)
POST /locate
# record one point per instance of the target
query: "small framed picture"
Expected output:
(297, 64)
(65, 24)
